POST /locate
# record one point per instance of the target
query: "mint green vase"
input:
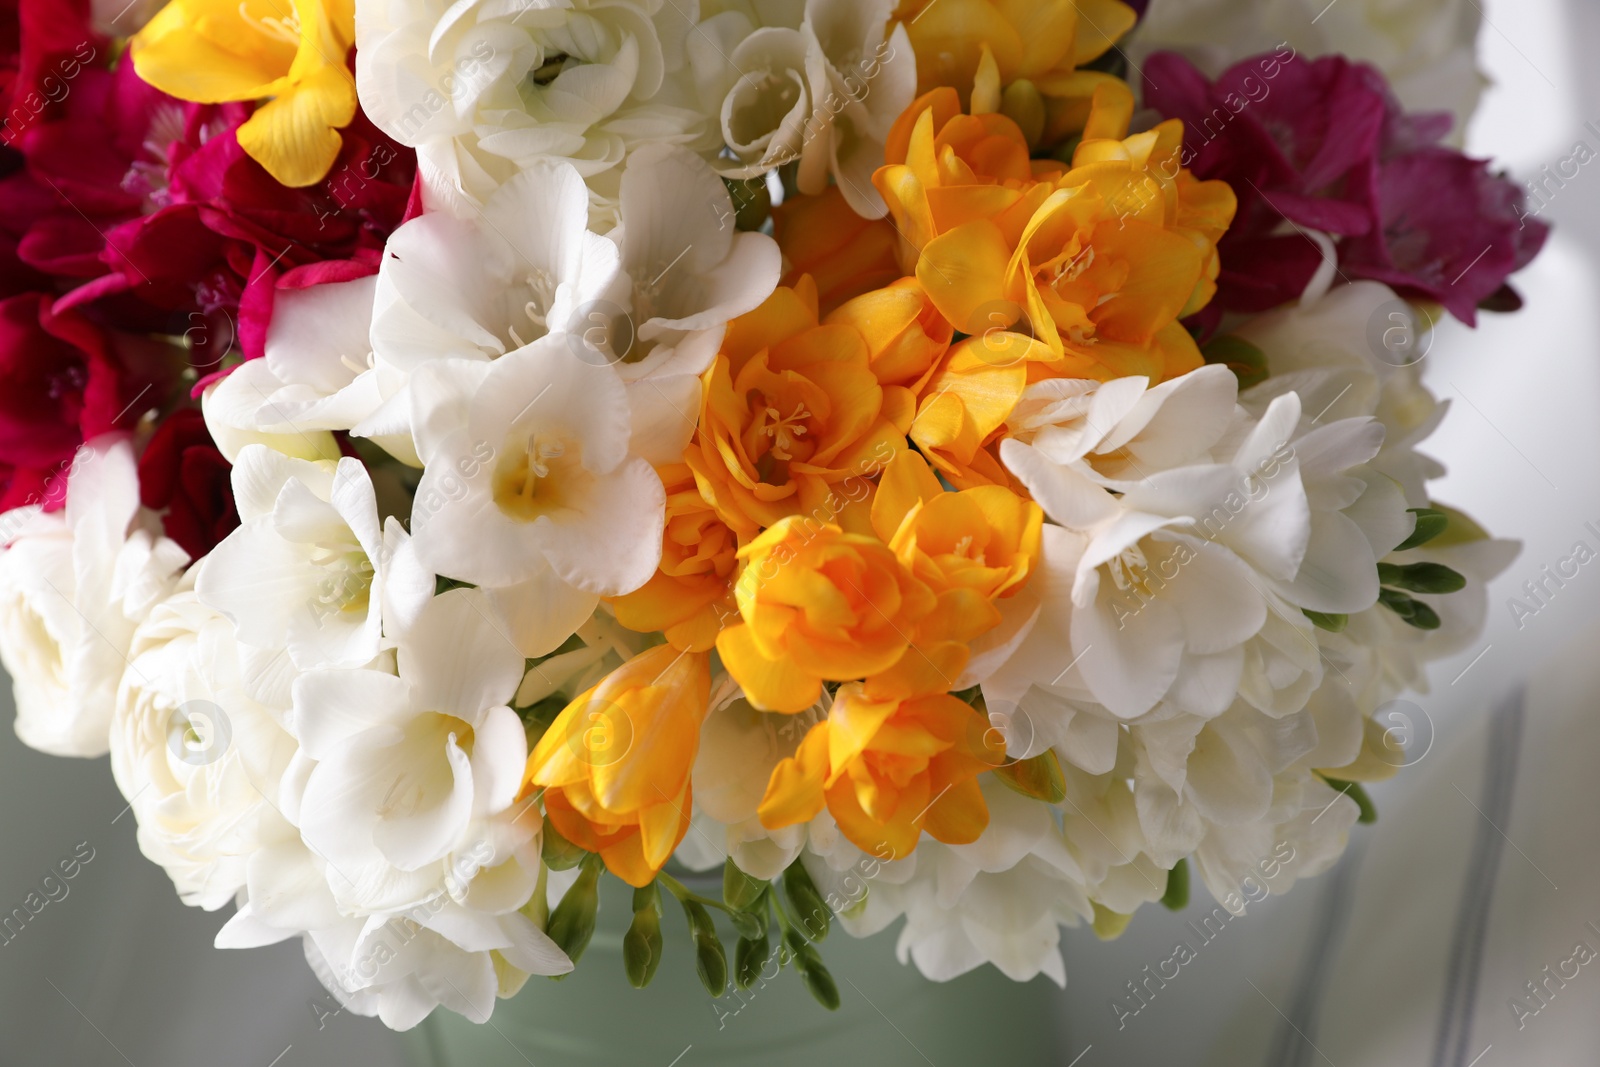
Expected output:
(889, 1016)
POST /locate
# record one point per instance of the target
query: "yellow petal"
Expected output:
(958, 814)
(296, 136)
(964, 271)
(906, 482)
(794, 792)
(771, 685)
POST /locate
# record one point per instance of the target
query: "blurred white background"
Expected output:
(1352, 969)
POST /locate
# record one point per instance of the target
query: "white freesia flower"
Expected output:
(527, 471)
(308, 568)
(1001, 900)
(399, 968)
(1330, 350)
(824, 93)
(739, 748)
(74, 584)
(651, 300)
(462, 946)
(415, 769)
(484, 88)
(1426, 48)
(199, 760)
(318, 374)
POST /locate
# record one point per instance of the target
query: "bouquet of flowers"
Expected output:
(933, 463)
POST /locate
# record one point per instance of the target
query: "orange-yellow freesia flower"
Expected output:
(291, 53)
(845, 254)
(817, 603)
(691, 592)
(905, 334)
(616, 763)
(793, 418)
(1029, 50)
(1099, 260)
(887, 770)
(984, 539)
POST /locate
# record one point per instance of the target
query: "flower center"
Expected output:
(541, 289)
(524, 489)
(285, 28)
(1130, 571)
(551, 69)
(346, 586)
(786, 431)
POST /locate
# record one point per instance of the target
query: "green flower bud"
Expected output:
(810, 911)
(1421, 577)
(1431, 522)
(1323, 621)
(1039, 777)
(572, 923)
(739, 890)
(749, 956)
(1176, 898)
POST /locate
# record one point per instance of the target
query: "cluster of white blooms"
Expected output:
(487, 89)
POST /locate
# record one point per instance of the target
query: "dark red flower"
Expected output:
(184, 476)
(60, 385)
(211, 254)
(44, 46)
(1323, 145)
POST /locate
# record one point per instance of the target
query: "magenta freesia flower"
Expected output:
(222, 232)
(1323, 145)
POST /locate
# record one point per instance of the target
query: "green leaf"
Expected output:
(572, 923)
(810, 911)
(1353, 790)
(739, 890)
(1248, 363)
(1431, 522)
(1323, 621)
(1176, 898)
(1421, 577)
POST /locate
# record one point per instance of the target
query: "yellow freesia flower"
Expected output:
(888, 770)
(616, 764)
(290, 53)
(1030, 50)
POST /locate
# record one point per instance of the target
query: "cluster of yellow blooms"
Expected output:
(841, 515)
